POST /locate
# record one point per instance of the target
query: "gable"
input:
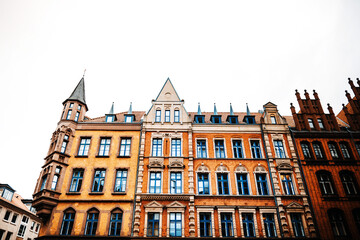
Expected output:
(168, 93)
(153, 204)
(175, 204)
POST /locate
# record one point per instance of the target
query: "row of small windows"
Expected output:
(13, 217)
(315, 150)
(327, 186)
(104, 147)
(167, 116)
(232, 119)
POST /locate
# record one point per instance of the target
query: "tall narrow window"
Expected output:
(84, 146)
(175, 147)
(175, 225)
(64, 143)
(273, 119)
(68, 115)
(287, 184)
(115, 223)
(68, 222)
(333, 150)
(255, 148)
(223, 183)
(242, 183)
(205, 224)
(175, 182)
(155, 182)
(226, 225)
(237, 149)
(306, 150)
(77, 116)
(7, 215)
(357, 146)
(125, 147)
(71, 105)
(321, 125)
(43, 182)
(157, 147)
(338, 222)
(104, 147)
(158, 116)
(153, 224)
(297, 224)
(79, 107)
(176, 116)
(76, 180)
(99, 181)
(345, 150)
(325, 183)
(269, 224)
(203, 183)
(91, 223)
(261, 183)
(311, 123)
(14, 218)
(167, 115)
(55, 178)
(317, 150)
(356, 214)
(248, 224)
(23, 225)
(120, 181)
(219, 149)
(348, 181)
(201, 149)
(279, 149)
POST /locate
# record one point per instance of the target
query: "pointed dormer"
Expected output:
(248, 118)
(167, 108)
(129, 117)
(110, 117)
(215, 118)
(232, 118)
(271, 115)
(199, 118)
(75, 106)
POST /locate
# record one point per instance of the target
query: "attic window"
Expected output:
(110, 118)
(199, 119)
(249, 119)
(216, 119)
(7, 194)
(129, 118)
(233, 120)
(273, 119)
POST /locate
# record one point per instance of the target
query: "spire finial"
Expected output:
(231, 110)
(247, 110)
(112, 109)
(215, 110)
(130, 108)
(199, 109)
(84, 72)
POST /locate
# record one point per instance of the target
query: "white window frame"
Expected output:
(261, 147)
(253, 211)
(303, 220)
(206, 210)
(197, 184)
(248, 180)
(227, 210)
(225, 150)
(273, 211)
(242, 146)
(182, 181)
(229, 181)
(206, 144)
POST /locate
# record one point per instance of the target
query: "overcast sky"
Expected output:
(213, 51)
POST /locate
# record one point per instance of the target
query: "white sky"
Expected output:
(213, 51)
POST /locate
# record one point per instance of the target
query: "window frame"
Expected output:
(83, 149)
(167, 115)
(125, 147)
(176, 147)
(286, 184)
(242, 181)
(236, 148)
(351, 181)
(279, 148)
(308, 148)
(336, 223)
(158, 115)
(176, 221)
(78, 179)
(176, 173)
(101, 181)
(219, 154)
(334, 150)
(158, 150)
(318, 149)
(104, 147)
(345, 150)
(262, 182)
(156, 182)
(153, 221)
(295, 223)
(68, 222)
(121, 179)
(226, 222)
(222, 182)
(117, 221)
(323, 182)
(202, 150)
(176, 115)
(208, 181)
(207, 223)
(253, 150)
(265, 224)
(94, 220)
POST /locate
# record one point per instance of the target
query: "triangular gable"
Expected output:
(294, 205)
(175, 204)
(168, 93)
(153, 204)
(270, 104)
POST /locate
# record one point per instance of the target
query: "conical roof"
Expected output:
(79, 93)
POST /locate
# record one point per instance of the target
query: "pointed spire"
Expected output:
(112, 109)
(130, 108)
(231, 110)
(199, 109)
(79, 92)
(247, 110)
(215, 111)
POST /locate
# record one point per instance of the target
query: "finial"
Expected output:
(112, 109)
(199, 109)
(305, 91)
(231, 110)
(314, 91)
(343, 105)
(130, 108)
(349, 79)
(247, 110)
(291, 104)
(296, 91)
(84, 72)
(215, 110)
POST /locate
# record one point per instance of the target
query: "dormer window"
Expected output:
(273, 119)
(216, 119)
(110, 118)
(321, 125)
(158, 116)
(6, 193)
(129, 118)
(311, 123)
(249, 119)
(233, 119)
(199, 119)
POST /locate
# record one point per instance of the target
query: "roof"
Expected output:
(119, 116)
(79, 93)
(17, 202)
(224, 115)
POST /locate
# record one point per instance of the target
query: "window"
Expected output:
(223, 183)
(199, 119)
(269, 224)
(357, 146)
(155, 182)
(84, 147)
(68, 222)
(297, 224)
(125, 146)
(32, 226)
(333, 150)
(175, 147)
(226, 225)
(338, 222)
(14, 218)
(104, 147)
(261, 184)
(305, 146)
(7, 215)
(237, 149)
(115, 223)
(64, 143)
(43, 182)
(158, 116)
(76, 180)
(249, 119)
(91, 222)
(120, 181)
(99, 180)
(287, 184)
(68, 115)
(325, 183)
(79, 107)
(205, 224)
(55, 178)
(176, 182)
(201, 149)
(279, 149)
(110, 118)
(157, 147)
(167, 115)
(273, 119)
(349, 183)
(356, 213)
(321, 125)
(242, 183)
(216, 119)
(248, 224)
(317, 150)
(71, 105)
(37, 227)
(153, 224)
(7, 194)
(345, 150)
(175, 225)
(233, 119)
(311, 123)
(8, 235)
(176, 116)
(1, 233)
(219, 149)
(203, 183)
(129, 119)
(255, 148)
(23, 226)
(77, 116)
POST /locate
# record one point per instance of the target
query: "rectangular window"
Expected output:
(199, 119)
(203, 183)
(104, 147)
(91, 224)
(120, 181)
(32, 226)
(64, 143)
(14, 218)
(68, 115)
(158, 116)
(84, 147)
(71, 105)
(175, 147)
(7, 215)
(287, 184)
(67, 223)
(79, 107)
(317, 150)
(76, 180)
(237, 149)
(205, 224)
(269, 224)
(233, 119)
(176, 182)
(219, 149)
(8, 195)
(22, 227)
(129, 119)
(255, 148)
(155, 182)
(345, 150)
(242, 183)
(157, 147)
(325, 184)
(55, 178)
(226, 225)
(297, 224)
(223, 183)
(321, 125)
(273, 119)
(37, 227)
(99, 181)
(306, 150)
(43, 182)
(357, 146)
(115, 224)
(261, 184)
(153, 224)
(176, 116)
(279, 149)
(216, 119)
(175, 225)
(167, 115)
(109, 118)
(248, 224)
(125, 147)
(8, 235)
(311, 123)
(77, 116)
(333, 151)
(201, 149)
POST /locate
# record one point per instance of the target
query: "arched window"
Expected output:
(349, 182)
(115, 222)
(261, 180)
(325, 182)
(305, 146)
(68, 222)
(333, 150)
(91, 222)
(203, 180)
(318, 150)
(338, 222)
